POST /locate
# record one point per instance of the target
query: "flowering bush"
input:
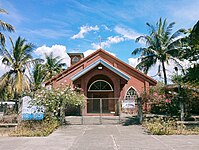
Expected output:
(162, 104)
(56, 100)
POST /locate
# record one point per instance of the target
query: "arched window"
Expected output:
(131, 94)
(100, 85)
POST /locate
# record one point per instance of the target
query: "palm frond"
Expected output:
(3, 11)
(6, 27)
(3, 39)
(176, 35)
(4, 80)
(138, 51)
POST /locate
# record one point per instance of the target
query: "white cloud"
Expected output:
(58, 50)
(106, 28)
(3, 68)
(88, 52)
(127, 33)
(169, 68)
(133, 62)
(84, 30)
(47, 33)
(110, 40)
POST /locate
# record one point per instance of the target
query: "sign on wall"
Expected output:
(30, 112)
(128, 104)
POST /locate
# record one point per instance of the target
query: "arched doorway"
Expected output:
(100, 87)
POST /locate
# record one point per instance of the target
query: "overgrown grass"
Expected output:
(35, 128)
(161, 126)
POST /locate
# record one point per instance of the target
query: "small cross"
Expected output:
(100, 41)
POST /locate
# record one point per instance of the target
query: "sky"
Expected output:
(64, 26)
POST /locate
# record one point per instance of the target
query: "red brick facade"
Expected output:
(118, 74)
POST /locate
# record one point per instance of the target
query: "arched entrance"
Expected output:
(100, 87)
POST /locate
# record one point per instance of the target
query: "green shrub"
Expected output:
(168, 126)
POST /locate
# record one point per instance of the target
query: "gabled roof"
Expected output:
(100, 61)
(149, 79)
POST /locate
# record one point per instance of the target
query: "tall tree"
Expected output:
(161, 46)
(191, 44)
(17, 60)
(38, 76)
(53, 65)
(4, 27)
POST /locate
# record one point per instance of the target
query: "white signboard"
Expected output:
(128, 104)
(30, 112)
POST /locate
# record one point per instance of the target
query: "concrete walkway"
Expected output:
(101, 137)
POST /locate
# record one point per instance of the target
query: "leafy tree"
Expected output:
(161, 46)
(4, 27)
(53, 66)
(17, 60)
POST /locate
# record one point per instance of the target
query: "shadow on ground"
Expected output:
(130, 121)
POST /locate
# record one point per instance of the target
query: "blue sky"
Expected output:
(75, 26)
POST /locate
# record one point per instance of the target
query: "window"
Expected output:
(75, 59)
(131, 94)
(100, 85)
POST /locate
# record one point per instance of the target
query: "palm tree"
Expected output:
(4, 27)
(53, 65)
(38, 76)
(191, 44)
(17, 60)
(161, 46)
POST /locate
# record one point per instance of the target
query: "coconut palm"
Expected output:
(161, 46)
(191, 44)
(53, 65)
(4, 27)
(17, 60)
(38, 76)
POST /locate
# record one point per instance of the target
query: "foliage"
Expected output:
(160, 126)
(159, 88)
(192, 75)
(191, 45)
(6, 93)
(162, 46)
(53, 66)
(4, 27)
(56, 100)
(17, 60)
(38, 75)
(164, 104)
(36, 128)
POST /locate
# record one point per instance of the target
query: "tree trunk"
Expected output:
(164, 73)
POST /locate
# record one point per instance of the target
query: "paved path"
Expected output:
(101, 137)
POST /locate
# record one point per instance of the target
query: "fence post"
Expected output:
(100, 111)
(119, 107)
(82, 119)
(181, 110)
(140, 114)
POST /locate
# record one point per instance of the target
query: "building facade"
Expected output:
(102, 76)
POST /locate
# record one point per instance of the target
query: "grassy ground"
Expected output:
(6, 131)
